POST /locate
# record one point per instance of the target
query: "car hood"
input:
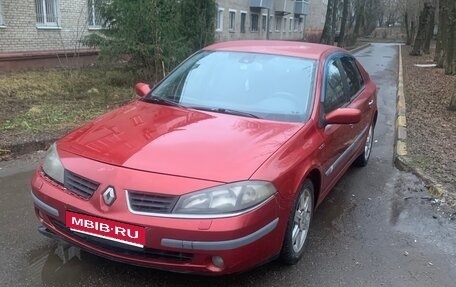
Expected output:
(182, 142)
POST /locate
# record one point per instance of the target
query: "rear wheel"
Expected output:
(363, 158)
(298, 225)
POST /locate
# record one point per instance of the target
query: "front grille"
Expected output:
(123, 249)
(79, 185)
(151, 203)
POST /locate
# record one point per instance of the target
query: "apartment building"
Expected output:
(316, 17)
(260, 19)
(43, 25)
(37, 29)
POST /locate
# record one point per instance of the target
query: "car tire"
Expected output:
(298, 225)
(363, 158)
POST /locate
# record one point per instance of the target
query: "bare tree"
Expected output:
(343, 23)
(424, 21)
(327, 36)
(442, 36)
(359, 17)
(429, 29)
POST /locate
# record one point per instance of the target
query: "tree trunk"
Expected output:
(343, 23)
(359, 18)
(422, 28)
(451, 50)
(430, 29)
(450, 63)
(452, 106)
(332, 35)
(325, 35)
(442, 33)
(407, 29)
(412, 31)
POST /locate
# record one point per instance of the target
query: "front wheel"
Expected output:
(363, 158)
(298, 225)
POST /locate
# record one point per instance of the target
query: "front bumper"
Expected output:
(176, 244)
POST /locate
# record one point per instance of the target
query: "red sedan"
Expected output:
(219, 167)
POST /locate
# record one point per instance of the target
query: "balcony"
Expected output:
(266, 4)
(283, 7)
(301, 7)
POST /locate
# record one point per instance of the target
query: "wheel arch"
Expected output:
(374, 121)
(315, 177)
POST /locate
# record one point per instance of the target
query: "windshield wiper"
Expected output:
(162, 101)
(226, 111)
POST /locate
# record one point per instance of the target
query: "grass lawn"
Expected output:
(36, 103)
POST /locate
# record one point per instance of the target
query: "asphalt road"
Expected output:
(377, 228)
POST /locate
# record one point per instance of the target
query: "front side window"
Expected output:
(334, 96)
(94, 17)
(267, 86)
(254, 22)
(46, 12)
(354, 78)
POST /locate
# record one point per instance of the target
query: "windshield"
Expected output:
(266, 86)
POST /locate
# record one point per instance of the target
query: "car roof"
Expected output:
(286, 48)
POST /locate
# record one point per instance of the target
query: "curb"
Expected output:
(11, 151)
(357, 49)
(401, 160)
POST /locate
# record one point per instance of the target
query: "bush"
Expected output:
(154, 35)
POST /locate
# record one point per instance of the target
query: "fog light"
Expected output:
(218, 261)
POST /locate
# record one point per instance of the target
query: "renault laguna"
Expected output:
(219, 167)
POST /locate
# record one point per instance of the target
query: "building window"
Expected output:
(296, 24)
(301, 24)
(46, 13)
(243, 19)
(284, 24)
(254, 19)
(2, 22)
(232, 23)
(290, 26)
(95, 20)
(271, 22)
(278, 24)
(264, 23)
(219, 20)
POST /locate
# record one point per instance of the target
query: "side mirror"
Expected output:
(343, 116)
(142, 89)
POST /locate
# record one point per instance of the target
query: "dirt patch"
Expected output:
(431, 127)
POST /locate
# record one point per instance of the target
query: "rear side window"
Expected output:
(334, 88)
(354, 78)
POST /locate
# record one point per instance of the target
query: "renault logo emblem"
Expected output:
(109, 196)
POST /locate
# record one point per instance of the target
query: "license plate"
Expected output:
(108, 229)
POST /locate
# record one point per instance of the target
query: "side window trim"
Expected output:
(335, 57)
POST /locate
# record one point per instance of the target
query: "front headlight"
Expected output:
(229, 198)
(52, 165)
